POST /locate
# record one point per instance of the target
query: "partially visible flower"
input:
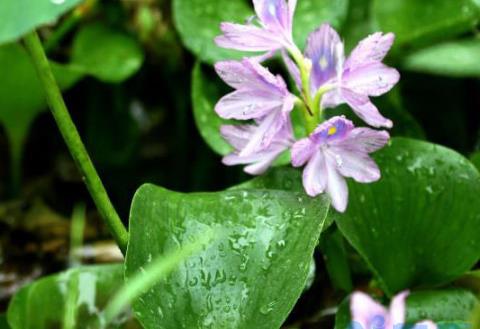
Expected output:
(368, 314)
(352, 81)
(274, 31)
(260, 161)
(336, 149)
(259, 96)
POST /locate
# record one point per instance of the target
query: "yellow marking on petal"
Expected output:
(332, 130)
(323, 62)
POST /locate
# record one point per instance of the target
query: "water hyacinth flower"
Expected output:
(368, 314)
(259, 96)
(354, 80)
(260, 161)
(274, 31)
(335, 150)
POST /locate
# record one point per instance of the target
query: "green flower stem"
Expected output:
(74, 142)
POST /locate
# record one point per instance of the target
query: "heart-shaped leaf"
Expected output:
(449, 309)
(417, 23)
(105, 53)
(419, 225)
(456, 59)
(250, 277)
(43, 303)
(198, 22)
(22, 16)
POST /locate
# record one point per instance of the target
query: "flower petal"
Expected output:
(273, 14)
(235, 74)
(366, 140)
(364, 108)
(357, 165)
(247, 104)
(398, 309)
(302, 151)
(237, 136)
(264, 134)
(247, 38)
(371, 80)
(336, 186)
(372, 49)
(364, 309)
(257, 163)
(315, 175)
(325, 50)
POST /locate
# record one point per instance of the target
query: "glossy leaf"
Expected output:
(41, 304)
(22, 16)
(107, 54)
(449, 309)
(250, 277)
(419, 224)
(455, 59)
(417, 23)
(198, 22)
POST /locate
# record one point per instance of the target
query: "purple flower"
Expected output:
(352, 81)
(273, 32)
(368, 314)
(259, 96)
(336, 149)
(258, 162)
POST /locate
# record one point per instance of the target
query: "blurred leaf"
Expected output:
(205, 94)
(456, 59)
(358, 23)
(3, 322)
(250, 277)
(41, 304)
(417, 23)
(475, 158)
(419, 225)
(449, 309)
(310, 14)
(21, 96)
(107, 54)
(198, 22)
(22, 16)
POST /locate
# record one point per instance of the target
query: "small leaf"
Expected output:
(41, 304)
(419, 224)
(417, 23)
(455, 59)
(250, 277)
(449, 309)
(22, 16)
(107, 54)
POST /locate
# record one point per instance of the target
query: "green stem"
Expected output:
(74, 142)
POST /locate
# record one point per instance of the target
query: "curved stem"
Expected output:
(74, 142)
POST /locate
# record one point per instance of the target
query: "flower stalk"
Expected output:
(74, 143)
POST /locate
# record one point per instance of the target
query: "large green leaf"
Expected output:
(198, 22)
(449, 309)
(419, 225)
(250, 277)
(41, 305)
(105, 53)
(417, 23)
(22, 16)
(456, 59)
